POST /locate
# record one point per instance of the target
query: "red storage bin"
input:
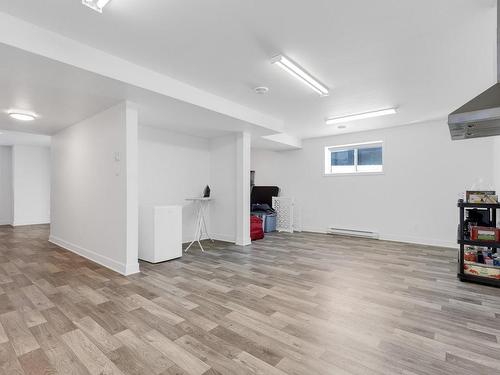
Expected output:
(485, 234)
(256, 230)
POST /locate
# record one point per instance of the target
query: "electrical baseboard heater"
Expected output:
(353, 233)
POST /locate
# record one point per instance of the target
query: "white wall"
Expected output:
(94, 188)
(5, 185)
(413, 201)
(31, 185)
(223, 178)
(173, 167)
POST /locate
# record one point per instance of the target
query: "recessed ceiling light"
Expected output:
(296, 71)
(96, 5)
(360, 116)
(22, 116)
(261, 90)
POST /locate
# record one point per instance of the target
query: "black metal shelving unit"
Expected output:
(462, 241)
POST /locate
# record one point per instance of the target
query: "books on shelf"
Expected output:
(482, 196)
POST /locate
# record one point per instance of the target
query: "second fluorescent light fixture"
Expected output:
(293, 69)
(360, 116)
(97, 5)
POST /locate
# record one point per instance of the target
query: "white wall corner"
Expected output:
(243, 150)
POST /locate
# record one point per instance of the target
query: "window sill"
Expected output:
(352, 174)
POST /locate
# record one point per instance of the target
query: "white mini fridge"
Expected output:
(160, 233)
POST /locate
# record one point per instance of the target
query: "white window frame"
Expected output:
(354, 170)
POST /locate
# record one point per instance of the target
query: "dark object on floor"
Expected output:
(264, 195)
(262, 208)
(269, 220)
(256, 230)
(206, 192)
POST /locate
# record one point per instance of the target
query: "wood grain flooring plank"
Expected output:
(265, 329)
(186, 314)
(98, 335)
(257, 366)
(90, 294)
(181, 357)
(210, 340)
(36, 363)
(33, 318)
(212, 358)
(155, 309)
(157, 362)
(59, 320)
(62, 359)
(9, 363)
(89, 354)
(265, 353)
(154, 322)
(18, 333)
(36, 296)
(128, 362)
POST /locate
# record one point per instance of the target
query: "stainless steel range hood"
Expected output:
(481, 116)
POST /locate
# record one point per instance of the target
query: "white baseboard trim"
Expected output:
(122, 268)
(398, 238)
(5, 222)
(22, 223)
(419, 241)
(223, 237)
(190, 239)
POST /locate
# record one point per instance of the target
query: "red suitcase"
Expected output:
(256, 229)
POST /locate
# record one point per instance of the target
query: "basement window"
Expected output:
(359, 158)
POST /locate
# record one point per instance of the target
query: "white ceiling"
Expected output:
(427, 57)
(62, 95)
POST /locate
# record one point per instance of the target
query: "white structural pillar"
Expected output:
(243, 147)
(94, 188)
(132, 182)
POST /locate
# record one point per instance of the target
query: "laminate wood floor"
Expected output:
(290, 304)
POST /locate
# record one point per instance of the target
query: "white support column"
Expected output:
(131, 144)
(243, 144)
(94, 188)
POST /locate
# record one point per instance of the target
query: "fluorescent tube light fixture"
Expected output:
(360, 116)
(296, 71)
(96, 5)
